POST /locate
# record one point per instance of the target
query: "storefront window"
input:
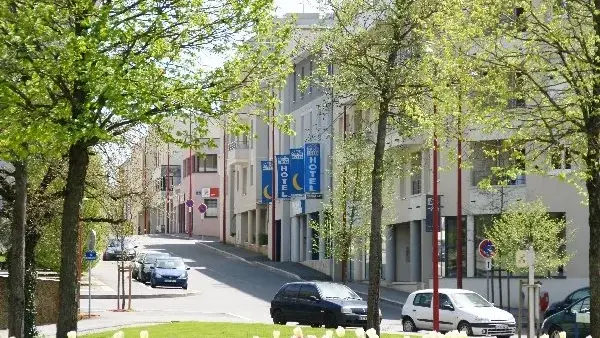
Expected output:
(449, 253)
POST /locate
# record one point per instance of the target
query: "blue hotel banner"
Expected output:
(297, 172)
(267, 180)
(312, 171)
(283, 176)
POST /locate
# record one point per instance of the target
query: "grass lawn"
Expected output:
(220, 330)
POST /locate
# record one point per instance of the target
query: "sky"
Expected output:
(295, 6)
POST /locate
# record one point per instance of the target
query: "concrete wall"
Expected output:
(47, 301)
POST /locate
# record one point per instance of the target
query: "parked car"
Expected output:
(170, 271)
(461, 310)
(319, 303)
(147, 264)
(137, 264)
(573, 320)
(572, 298)
(117, 250)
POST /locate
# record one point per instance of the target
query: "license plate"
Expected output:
(502, 326)
(170, 281)
(362, 317)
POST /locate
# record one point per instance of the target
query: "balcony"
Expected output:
(237, 152)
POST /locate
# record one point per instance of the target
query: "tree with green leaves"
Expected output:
(547, 103)
(526, 224)
(347, 225)
(373, 47)
(99, 69)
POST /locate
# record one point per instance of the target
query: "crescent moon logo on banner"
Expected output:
(295, 183)
(266, 192)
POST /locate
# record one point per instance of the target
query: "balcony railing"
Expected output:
(479, 175)
(238, 144)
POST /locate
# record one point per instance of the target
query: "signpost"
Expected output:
(487, 250)
(90, 256)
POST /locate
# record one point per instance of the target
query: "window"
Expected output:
(445, 301)
(307, 290)
(415, 178)
(252, 175)
(201, 164)
(295, 86)
(212, 207)
(301, 78)
(560, 158)
(423, 299)
(244, 181)
(291, 291)
(449, 236)
(210, 163)
(310, 70)
(481, 223)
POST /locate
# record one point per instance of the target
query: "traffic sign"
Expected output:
(487, 249)
(90, 255)
(202, 208)
(189, 203)
(488, 264)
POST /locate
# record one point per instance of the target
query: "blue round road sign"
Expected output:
(487, 249)
(189, 203)
(202, 208)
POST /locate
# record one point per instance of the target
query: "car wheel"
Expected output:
(330, 321)
(152, 284)
(184, 287)
(554, 332)
(408, 325)
(278, 317)
(465, 327)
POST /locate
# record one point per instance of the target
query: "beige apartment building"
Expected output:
(169, 176)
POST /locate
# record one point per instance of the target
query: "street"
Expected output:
(235, 290)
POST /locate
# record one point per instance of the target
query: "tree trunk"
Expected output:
(78, 165)
(16, 273)
(376, 213)
(31, 241)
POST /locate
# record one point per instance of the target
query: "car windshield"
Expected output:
(337, 291)
(170, 264)
(150, 258)
(467, 299)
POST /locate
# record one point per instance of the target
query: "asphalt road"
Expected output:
(226, 286)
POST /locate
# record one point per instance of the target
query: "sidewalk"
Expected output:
(291, 270)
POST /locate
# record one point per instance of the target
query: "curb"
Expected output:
(149, 296)
(279, 271)
(225, 253)
(386, 300)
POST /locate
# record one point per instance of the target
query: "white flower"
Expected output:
(276, 334)
(298, 332)
(340, 331)
(562, 334)
(328, 334)
(119, 334)
(371, 333)
(71, 334)
(360, 332)
(255, 337)
(462, 334)
(588, 337)
(144, 334)
(544, 336)
(311, 336)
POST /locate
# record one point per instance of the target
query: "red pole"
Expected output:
(459, 232)
(274, 172)
(190, 224)
(144, 183)
(225, 182)
(436, 229)
(168, 185)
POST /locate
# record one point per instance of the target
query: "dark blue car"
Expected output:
(169, 272)
(319, 303)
